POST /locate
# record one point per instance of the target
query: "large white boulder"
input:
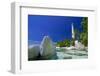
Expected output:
(48, 49)
(33, 52)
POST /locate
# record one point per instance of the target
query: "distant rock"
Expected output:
(79, 45)
(48, 49)
(33, 52)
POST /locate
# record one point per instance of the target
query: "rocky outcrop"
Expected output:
(48, 49)
(33, 52)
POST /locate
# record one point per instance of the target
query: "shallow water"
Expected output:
(71, 54)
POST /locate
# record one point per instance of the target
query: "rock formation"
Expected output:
(33, 52)
(48, 49)
(79, 45)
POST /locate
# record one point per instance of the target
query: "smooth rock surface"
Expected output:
(33, 52)
(48, 49)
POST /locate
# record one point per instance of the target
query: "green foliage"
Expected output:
(85, 24)
(67, 42)
(63, 43)
(84, 34)
(82, 37)
(72, 42)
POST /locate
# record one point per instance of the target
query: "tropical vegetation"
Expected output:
(80, 36)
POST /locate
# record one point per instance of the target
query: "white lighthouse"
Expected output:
(73, 34)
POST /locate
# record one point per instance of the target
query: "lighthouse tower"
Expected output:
(73, 33)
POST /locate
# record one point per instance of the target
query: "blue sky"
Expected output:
(57, 28)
